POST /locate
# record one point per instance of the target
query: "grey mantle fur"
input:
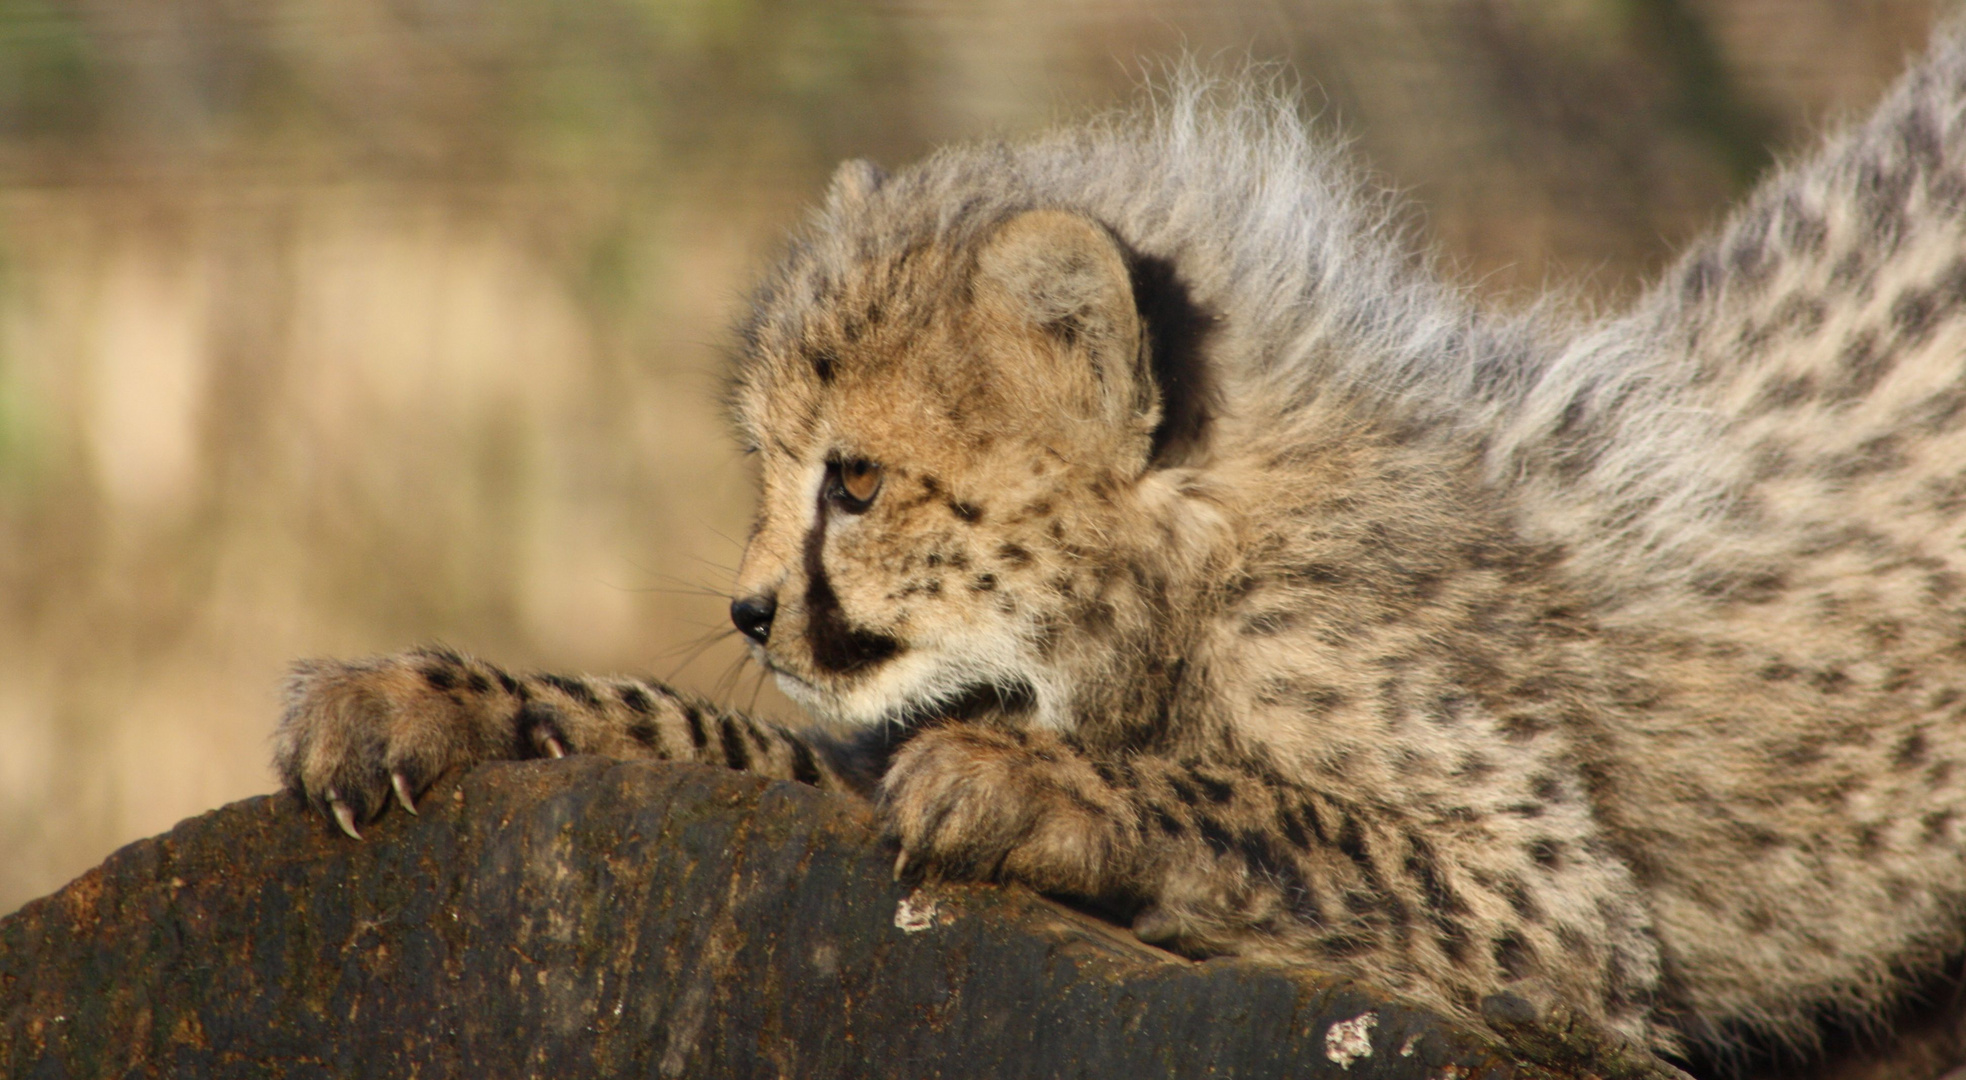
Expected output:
(587, 917)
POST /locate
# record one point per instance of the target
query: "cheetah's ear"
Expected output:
(853, 182)
(1066, 277)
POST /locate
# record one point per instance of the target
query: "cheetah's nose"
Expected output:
(753, 615)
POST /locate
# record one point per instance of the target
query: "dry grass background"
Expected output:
(330, 326)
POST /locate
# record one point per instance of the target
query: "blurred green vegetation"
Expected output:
(444, 90)
(329, 326)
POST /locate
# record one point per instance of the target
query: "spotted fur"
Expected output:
(1229, 572)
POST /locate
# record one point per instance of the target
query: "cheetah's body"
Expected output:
(1290, 605)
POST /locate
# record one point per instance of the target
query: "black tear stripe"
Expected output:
(837, 645)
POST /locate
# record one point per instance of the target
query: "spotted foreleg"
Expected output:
(1224, 856)
(356, 732)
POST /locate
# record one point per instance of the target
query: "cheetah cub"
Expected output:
(1174, 542)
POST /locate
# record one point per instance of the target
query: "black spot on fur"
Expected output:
(1912, 752)
(505, 682)
(824, 363)
(1913, 314)
(1293, 829)
(1782, 392)
(1743, 587)
(635, 698)
(984, 583)
(1214, 834)
(1872, 456)
(1453, 939)
(1516, 892)
(1521, 727)
(694, 718)
(573, 688)
(1308, 813)
(1424, 868)
(442, 679)
(1014, 555)
(1830, 680)
(1351, 841)
(1546, 853)
(644, 732)
(1315, 574)
(1446, 709)
(1217, 791)
(1344, 945)
(736, 754)
(970, 513)
(1864, 363)
(1168, 823)
(804, 769)
(1757, 919)
(1514, 956)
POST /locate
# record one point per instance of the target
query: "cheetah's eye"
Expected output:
(855, 483)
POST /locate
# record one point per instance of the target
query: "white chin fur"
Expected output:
(921, 681)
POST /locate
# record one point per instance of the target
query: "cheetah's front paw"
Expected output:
(967, 802)
(354, 731)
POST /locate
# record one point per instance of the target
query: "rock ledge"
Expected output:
(587, 918)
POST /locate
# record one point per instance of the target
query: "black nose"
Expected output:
(753, 616)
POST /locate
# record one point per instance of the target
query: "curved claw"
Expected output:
(901, 865)
(554, 748)
(401, 784)
(344, 814)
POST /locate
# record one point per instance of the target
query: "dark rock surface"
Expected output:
(587, 918)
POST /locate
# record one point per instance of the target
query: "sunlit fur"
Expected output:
(1715, 540)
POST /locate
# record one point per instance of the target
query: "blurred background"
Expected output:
(332, 326)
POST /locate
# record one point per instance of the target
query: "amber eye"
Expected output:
(855, 483)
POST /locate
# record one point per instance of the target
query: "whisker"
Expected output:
(725, 537)
(726, 685)
(757, 688)
(713, 564)
(696, 649)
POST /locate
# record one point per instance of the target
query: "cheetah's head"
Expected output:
(956, 443)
